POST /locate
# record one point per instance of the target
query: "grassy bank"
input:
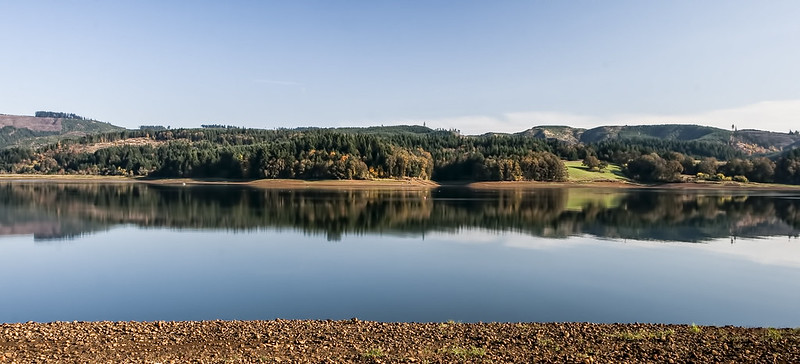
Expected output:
(579, 173)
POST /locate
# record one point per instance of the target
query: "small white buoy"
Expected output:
(184, 183)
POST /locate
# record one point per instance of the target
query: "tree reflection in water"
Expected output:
(57, 211)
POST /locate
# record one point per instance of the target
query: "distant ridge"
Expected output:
(748, 141)
(50, 127)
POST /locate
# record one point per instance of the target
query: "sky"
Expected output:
(476, 66)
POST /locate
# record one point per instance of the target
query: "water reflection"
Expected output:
(57, 211)
(176, 253)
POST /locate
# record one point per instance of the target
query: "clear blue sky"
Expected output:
(477, 66)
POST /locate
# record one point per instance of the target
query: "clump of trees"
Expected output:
(787, 168)
(62, 115)
(653, 168)
(593, 163)
(622, 151)
(153, 127)
(756, 169)
(668, 168)
(534, 166)
(217, 126)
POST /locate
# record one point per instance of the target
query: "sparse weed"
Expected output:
(447, 326)
(694, 328)
(548, 343)
(664, 334)
(545, 342)
(446, 323)
(631, 336)
(463, 352)
(773, 334)
(373, 353)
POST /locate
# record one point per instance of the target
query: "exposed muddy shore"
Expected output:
(391, 183)
(354, 341)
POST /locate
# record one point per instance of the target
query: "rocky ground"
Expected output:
(355, 341)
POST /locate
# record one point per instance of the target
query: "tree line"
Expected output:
(291, 153)
(391, 152)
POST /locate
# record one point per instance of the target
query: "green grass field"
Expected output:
(579, 173)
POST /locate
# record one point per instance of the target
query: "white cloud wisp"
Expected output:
(779, 116)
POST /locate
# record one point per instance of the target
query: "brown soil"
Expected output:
(30, 122)
(64, 178)
(91, 148)
(383, 183)
(728, 186)
(261, 183)
(356, 341)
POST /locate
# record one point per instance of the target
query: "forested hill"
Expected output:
(748, 142)
(47, 127)
(658, 153)
(306, 153)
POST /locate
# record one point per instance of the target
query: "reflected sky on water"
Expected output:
(143, 253)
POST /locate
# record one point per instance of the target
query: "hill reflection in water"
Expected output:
(57, 211)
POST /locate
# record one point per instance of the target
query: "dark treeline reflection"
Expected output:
(56, 211)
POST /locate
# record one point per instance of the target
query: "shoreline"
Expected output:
(396, 183)
(727, 186)
(259, 183)
(355, 341)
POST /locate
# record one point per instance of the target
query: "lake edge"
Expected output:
(392, 183)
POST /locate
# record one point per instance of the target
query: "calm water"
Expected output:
(135, 252)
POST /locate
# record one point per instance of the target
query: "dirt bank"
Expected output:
(395, 183)
(355, 341)
(63, 178)
(382, 183)
(708, 186)
(261, 183)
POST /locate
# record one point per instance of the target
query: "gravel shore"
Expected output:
(354, 341)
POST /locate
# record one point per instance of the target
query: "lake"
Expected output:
(143, 252)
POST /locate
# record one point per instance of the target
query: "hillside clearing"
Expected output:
(91, 148)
